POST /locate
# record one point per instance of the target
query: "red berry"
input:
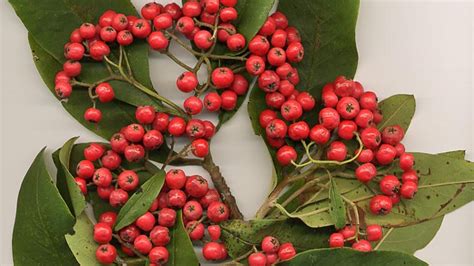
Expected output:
(358, 90)
(229, 100)
(196, 186)
(348, 107)
(129, 233)
(212, 102)
(287, 89)
(177, 126)
(85, 169)
(286, 154)
(185, 25)
(279, 38)
(400, 149)
(343, 87)
(63, 89)
(275, 143)
(175, 178)
(174, 10)
(217, 212)
(142, 244)
(192, 9)
(286, 251)
(160, 235)
(222, 77)
(298, 131)
(380, 204)
(118, 142)
(366, 172)
(236, 42)
(176, 198)
(389, 185)
(105, 92)
(365, 118)
(407, 160)
(203, 39)
(193, 105)
(141, 28)
(348, 231)
(93, 152)
(104, 192)
(81, 183)
(75, 36)
(228, 14)
(158, 41)
(87, 31)
(305, 99)
(330, 99)
(125, 37)
(167, 217)
(276, 56)
(212, 251)
(336, 240)
(259, 45)
(266, 116)
(392, 135)
(214, 232)
(329, 118)
(257, 259)
(119, 22)
(370, 137)
(145, 114)
(108, 218)
(211, 196)
(255, 65)
(98, 50)
(365, 156)
(280, 20)
(197, 233)
(72, 68)
(268, 28)
(195, 129)
(118, 198)
(410, 176)
(200, 148)
(161, 122)
(102, 177)
(61, 76)
(408, 189)
(293, 35)
(270, 244)
(192, 210)
(158, 255)
(225, 31)
(106, 254)
(274, 100)
(295, 52)
(134, 152)
(128, 180)
(187, 82)
(74, 51)
(146, 221)
(229, 3)
(240, 85)
(385, 154)
(346, 129)
(337, 151)
(291, 110)
(374, 232)
(269, 81)
(106, 18)
(362, 245)
(134, 132)
(277, 128)
(150, 10)
(319, 134)
(131, 20)
(368, 100)
(153, 140)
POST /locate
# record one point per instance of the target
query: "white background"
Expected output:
(419, 47)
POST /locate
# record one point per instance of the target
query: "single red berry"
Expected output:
(76, 37)
(291, 110)
(142, 244)
(228, 14)
(150, 10)
(210, 6)
(61, 76)
(203, 39)
(222, 77)
(118, 198)
(259, 45)
(192, 9)
(240, 85)
(82, 184)
(229, 100)
(358, 90)
(368, 100)
(192, 210)
(319, 134)
(349, 231)
(337, 151)
(293, 35)
(276, 56)
(134, 152)
(217, 212)
(330, 99)
(196, 186)
(280, 19)
(128, 180)
(236, 42)
(134, 132)
(145, 114)
(268, 27)
(185, 25)
(105, 92)
(274, 100)
(385, 154)
(195, 230)
(269, 81)
(225, 31)
(305, 99)
(284, 71)
(195, 129)
(228, 3)
(63, 89)
(255, 65)
(212, 102)
(371, 137)
(85, 169)
(343, 87)
(380, 204)
(295, 52)
(408, 189)
(72, 68)
(158, 41)
(211, 196)
(131, 20)
(395, 198)
(104, 192)
(93, 152)
(400, 149)
(106, 18)
(374, 232)
(346, 129)
(336, 240)
(141, 28)
(146, 221)
(102, 177)
(160, 235)
(74, 51)
(257, 259)
(286, 154)
(200, 148)
(163, 21)
(118, 142)
(98, 50)
(106, 254)
(125, 37)
(266, 116)
(362, 245)
(279, 38)
(348, 107)
(407, 160)
(87, 31)
(108, 218)
(177, 126)
(366, 172)
(389, 185)
(276, 142)
(286, 251)
(187, 82)
(119, 22)
(193, 105)
(329, 118)
(365, 156)
(153, 139)
(176, 198)
(158, 255)
(410, 175)
(161, 122)
(167, 217)
(298, 131)
(287, 89)
(392, 135)
(270, 244)
(175, 178)
(212, 251)
(214, 232)
(378, 117)
(93, 115)
(365, 118)
(174, 10)
(277, 128)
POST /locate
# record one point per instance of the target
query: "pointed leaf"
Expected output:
(180, 247)
(82, 243)
(397, 110)
(337, 208)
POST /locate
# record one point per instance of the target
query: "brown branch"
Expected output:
(221, 186)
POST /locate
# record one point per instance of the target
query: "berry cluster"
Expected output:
(272, 252)
(349, 234)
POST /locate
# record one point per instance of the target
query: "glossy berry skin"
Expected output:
(142, 244)
(295, 52)
(362, 245)
(153, 139)
(255, 65)
(348, 231)
(177, 126)
(212, 251)
(368, 100)
(385, 154)
(337, 151)
(228, 14)
(72, 68)
(276, 56)
(343, 87)
(192, 210)
(134, 153)
(277, 128)
(222, 77)
(240, 85)
(167, 217)
(380, 204)
(211, 196)
(85, 169)
(160, 235)
(187, 82)
(175, 179)
(105, 192)
(163, 21)
(105, 92)
(274, 100)
(134, 132)
(158, 41)
(298, 131)
(269, 81)
(141, 28)
(93, 152)
(225, 31)
(229, 100)
(236, 42)
(371, 137)
(330, 99)
(176, 198)
(365, 118)
(348, 107)
(286, 251)
(275, 143)
(214, 232)
(366, 172)
(305, 99)
(108, 218)
(102, 177)
(82, 184)
(259, 45)
(392, 135)
(336, 240)
(99, 49)
(293, 34)
(212, 102)
(346, 129)
(185, 25)
(200, 148)
(218, 212)
(118, 142)
(158, 255)
(74, 51)
(145, 114)
(400, 149)
(374, 232)
(87, 31)
(257, 259)
(124, 37)
(286, 154)
(270, 244)
(291, 110)
(102, 233)
(268, 27)
(119, 22)
(192, 9)
(196, 186)
(329, 118)
(197, 233)
(106, 254)
(93, 115)
(407, 160)
(410, 176)
(146, 222)
(118, 198)
(365, 156)
(128, 180)
(193, 105)
(266, 116)
(287, 89)
(161, 122)
(203, 39)
(228, 3)
(319, 134)
(389, 185)
(408, 189)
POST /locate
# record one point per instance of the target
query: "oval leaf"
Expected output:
(252, 15)
(180, 247)
(42, 219)
(140, 201)
(82, 243)
(397, 110)
(337, 208)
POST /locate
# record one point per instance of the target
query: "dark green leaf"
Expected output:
(345, 256)
(239, 236)
(70, 192)
(82, 243)
(397, 110)
(181, 248)
(252, 15)
(42, 219)
(337, 208)
(141, 201)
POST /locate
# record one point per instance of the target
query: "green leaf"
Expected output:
(82, 243)
(239, 236)
(252, 15)
(180, 247)
(397, 110)
(337, 208)
(68, 188)
(42, 219)
(345, 256)
(140, 201)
